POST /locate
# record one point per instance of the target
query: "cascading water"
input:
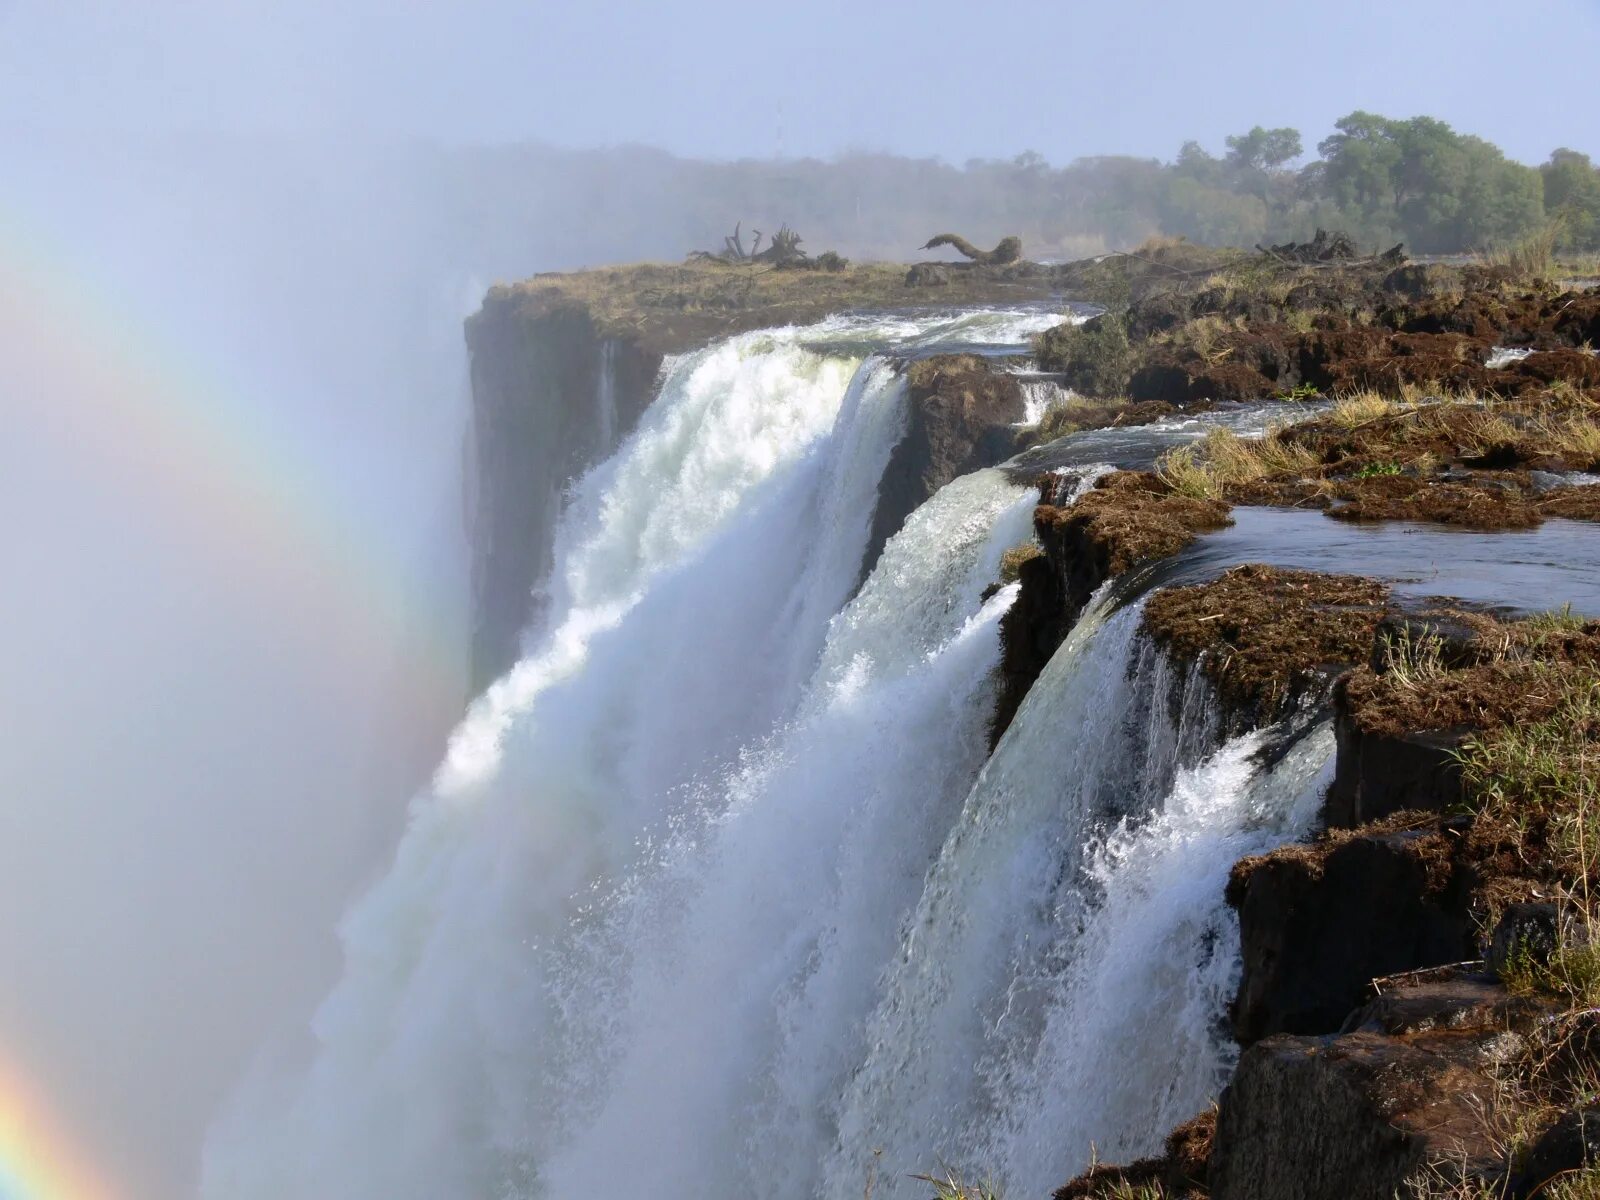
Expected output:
(716, 893)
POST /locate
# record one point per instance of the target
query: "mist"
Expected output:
(238, 245)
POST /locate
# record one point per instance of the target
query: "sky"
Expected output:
(234, 398)
(715, 78)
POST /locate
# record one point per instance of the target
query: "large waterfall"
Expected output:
(720, 893)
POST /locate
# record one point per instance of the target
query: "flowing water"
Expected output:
(720, 893)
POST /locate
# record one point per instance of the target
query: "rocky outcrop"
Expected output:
(1414, 1093)
(1318, 922)
(1268, 639)
(1127, 519)
(563, 364)
(961, 416)
(1360, 1117)
(1378, 774)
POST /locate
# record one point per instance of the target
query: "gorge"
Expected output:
(902, 752)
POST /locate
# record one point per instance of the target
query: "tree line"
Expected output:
(1379, 179)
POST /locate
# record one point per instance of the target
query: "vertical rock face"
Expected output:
(960, 417)
(551, 396)
(1319, 922)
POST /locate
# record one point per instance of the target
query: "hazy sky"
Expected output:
(717, 78)
(197, 770)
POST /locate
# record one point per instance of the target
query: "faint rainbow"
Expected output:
(164, 422)
(99, 379)
(37, 1161)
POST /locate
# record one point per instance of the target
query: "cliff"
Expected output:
(562, 366)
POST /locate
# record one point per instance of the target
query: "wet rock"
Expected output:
(1378, 773)
(536, 381)
(1128, 518)
(1318, 922)
(961, 415)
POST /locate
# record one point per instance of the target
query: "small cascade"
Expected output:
(1065, 976)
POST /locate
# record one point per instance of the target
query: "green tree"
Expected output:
(1446, 192)
(1572, 194)
(1264, 149)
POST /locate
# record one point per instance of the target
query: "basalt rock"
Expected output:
(1128, 518)
(1407, 1095)
(1570, 1144)
(960, 417)
(1379, 773)
(1365, 1116)
(551, 394)
(1318, 922)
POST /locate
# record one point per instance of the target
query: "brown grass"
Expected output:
(1260, 632)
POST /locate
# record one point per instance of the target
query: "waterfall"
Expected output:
(719, 891)
(697, 573)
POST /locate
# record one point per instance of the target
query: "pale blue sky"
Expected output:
(718, 78)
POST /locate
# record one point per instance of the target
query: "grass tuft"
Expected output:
(949, 1185)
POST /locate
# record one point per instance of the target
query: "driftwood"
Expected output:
(1008, 251)
(1331, 250)
(782, 251)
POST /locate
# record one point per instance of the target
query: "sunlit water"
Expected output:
(720, 892)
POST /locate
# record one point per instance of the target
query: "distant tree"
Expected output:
(1264, 149)
(1572, 194)
(1195, 162)
(1446, 192)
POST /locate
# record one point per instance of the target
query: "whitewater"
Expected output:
(720, 891)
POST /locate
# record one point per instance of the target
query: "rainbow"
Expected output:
(132, 411)
(92, 384)
(37, 1162)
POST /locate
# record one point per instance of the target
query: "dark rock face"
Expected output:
(1128, 518)
(1318, 923)
(1379, 774)
(1406, 1095)
(1350, 1118)
(540, 384)
(1571, 1144)
(1526, 933)
(960, 415)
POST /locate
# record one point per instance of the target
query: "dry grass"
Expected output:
(1202, 335)
(1077, 412)
(1575, 436)
(1223, 459)
(1012, 560)
(1532, 256)
(949, 1185)
(1362, 408)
